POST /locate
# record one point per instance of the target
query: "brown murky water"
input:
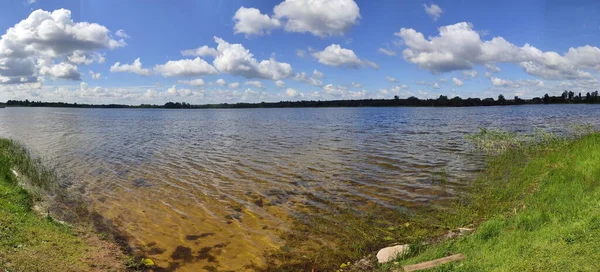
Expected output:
(212, 189)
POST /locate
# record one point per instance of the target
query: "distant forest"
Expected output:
(567, 97)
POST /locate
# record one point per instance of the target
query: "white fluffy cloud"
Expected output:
(356, 85)
(30, 47)
(331, 91)
(335, 55)
(321, 18)
(121, 33)
(234, 85)
(195, 82)
(303, 77)
(236, 60)
(94, 75)
(250, 21)
(255, 83)
(201, 51)
(293, 93)
(390, 79)
(318, 74)
(62, 70)
(457, 82)
(471, 73)
(516, 84)
(79, 57)
(459, 47)
(280, 84)
(231, 59)
(135, 67)
(433, 10)
(185, 67)
(221, 82)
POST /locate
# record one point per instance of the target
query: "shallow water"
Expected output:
(213, 188)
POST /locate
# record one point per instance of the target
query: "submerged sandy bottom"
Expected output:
(215, 189)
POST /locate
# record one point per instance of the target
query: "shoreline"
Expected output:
(502, 201)
(45, 229)
(533, 208)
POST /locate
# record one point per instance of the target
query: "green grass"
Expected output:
(536, 208)
(33, 242)
(29, 242)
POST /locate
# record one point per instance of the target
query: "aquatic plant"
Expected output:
(535, 207)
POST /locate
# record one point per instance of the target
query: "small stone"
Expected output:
(148, 262)
(391, 253)
(465, 230)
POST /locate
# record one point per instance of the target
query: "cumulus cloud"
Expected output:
(516, 84)
(335, 55)
(220, 82)
(457, 82)
(94, 75)
(459, 47)
(231, 59)
(293, 93)
(433, 10)
(492, 68)
(387, 52)
(331, 91)
(318, 74)
(234, 85)
(135, 67)
(174, 92)
(280, 84)
(121, 33)
(201, 51)
(250, 21)
(320, 18)
(255, 83)
(62, 70)
(303, 77)
(185, 67)
(79, 57)
(356, 85)
(51, 37)
(300, 53)
(195, 82)
(234, 59)
(390, 79)
(471, 73)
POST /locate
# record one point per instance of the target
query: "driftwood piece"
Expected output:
(433, 263)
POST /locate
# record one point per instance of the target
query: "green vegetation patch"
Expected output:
(538, 205)
(31, 242)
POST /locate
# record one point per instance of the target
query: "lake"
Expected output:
(231, 180)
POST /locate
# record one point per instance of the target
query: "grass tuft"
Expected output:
(536, 206)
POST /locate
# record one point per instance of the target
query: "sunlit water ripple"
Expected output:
(175, 180)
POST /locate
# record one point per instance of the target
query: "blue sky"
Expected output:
(84, 51)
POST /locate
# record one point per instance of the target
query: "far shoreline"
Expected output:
(442, 101)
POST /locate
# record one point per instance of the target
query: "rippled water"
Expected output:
(214, 187)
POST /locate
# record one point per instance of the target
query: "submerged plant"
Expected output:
(495, 141)
(498, 141)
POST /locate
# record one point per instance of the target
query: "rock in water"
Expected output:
(390, 253)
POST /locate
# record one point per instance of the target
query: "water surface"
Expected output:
(200, 188)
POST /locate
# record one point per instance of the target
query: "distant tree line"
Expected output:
(567, 97)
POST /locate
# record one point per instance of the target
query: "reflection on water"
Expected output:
(211, 189)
